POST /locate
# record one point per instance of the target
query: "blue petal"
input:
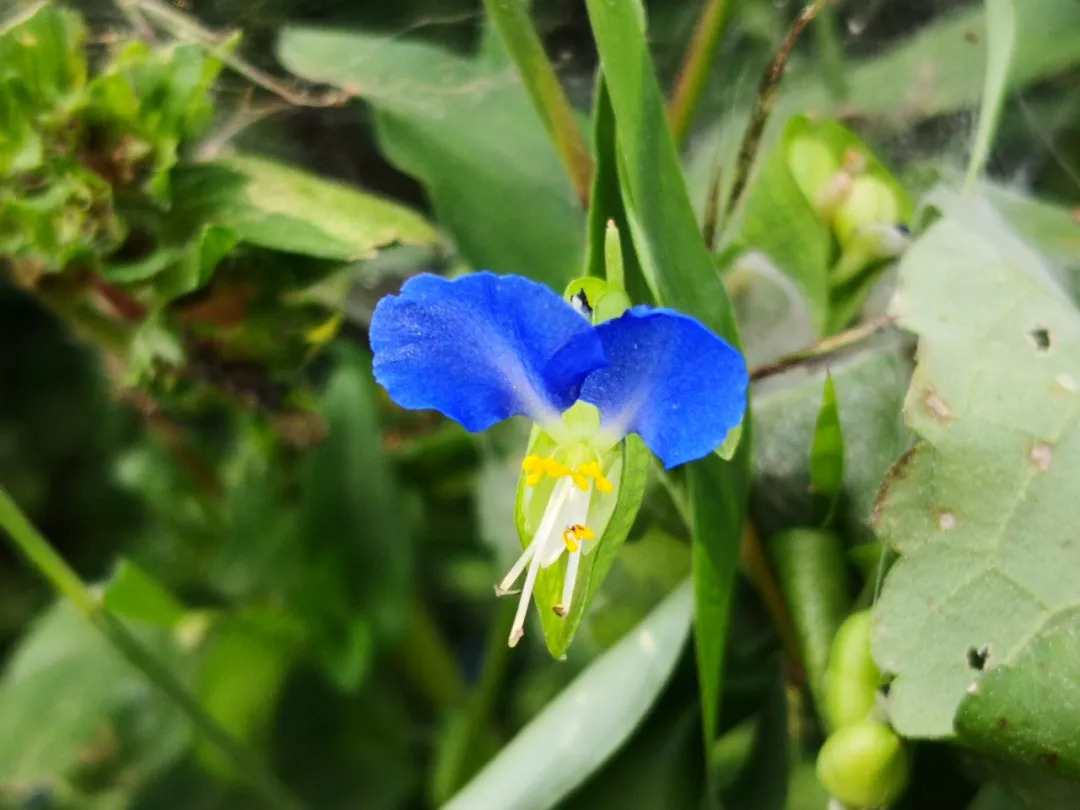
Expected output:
(670, 380)
(482, 348)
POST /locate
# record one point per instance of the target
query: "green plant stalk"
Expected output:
(511, 20)
(52, 567)
(695, 68)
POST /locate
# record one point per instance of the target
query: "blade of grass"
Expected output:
(695, 67)
(511, 20)
(52, 567)
(1000, 41)
(680, 272)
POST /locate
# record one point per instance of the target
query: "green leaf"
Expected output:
(1000, 40)
(870, 384)
(241, 678)
(465, 127)
(610, 517)
(606, 203)
(982, 510)
(827, 450)
(588, 721)
(812, 573)
(66, 693)
(133, 594)
(41, 60)
(275, 206)
(1016, 711)
(679, 270)
(659, 769)
(780, 221)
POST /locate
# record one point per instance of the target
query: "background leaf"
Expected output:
(980, 509)
(589, 720)
(272, 205)
(467, 130)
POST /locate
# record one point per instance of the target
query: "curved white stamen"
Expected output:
(534, 554)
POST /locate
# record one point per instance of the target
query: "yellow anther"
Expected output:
(603, 485)
(575, 534)
(570, 538)
(554, 468)
(581, 481)
(533, 478)
(532, 464)
(591, 469)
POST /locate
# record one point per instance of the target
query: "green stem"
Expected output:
(511, 20)
(830, 52)
(695, 68)
(52, 567)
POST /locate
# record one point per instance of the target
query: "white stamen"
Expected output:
(568, 584)
(503, 588)
(533, 556)
(518, 630)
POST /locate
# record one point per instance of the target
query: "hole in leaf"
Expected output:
(1040, 337)
(976, 658)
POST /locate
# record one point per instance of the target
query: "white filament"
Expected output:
(567, 507)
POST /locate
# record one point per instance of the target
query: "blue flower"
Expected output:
(483, 348)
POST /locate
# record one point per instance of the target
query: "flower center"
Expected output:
(537, 467)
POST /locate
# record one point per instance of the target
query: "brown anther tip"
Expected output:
(559, 610)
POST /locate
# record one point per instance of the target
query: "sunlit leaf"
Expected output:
(275, 206)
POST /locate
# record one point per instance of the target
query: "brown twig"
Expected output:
(834, 343)
(763, 105)
(182, 26)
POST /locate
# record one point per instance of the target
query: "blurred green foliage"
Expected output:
(193, 234)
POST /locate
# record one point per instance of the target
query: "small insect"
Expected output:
(580, 302)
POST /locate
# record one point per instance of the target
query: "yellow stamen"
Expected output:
(570, 538)
(532, 464)
(538, 467)
(574, 535)
(555, 469)
(591, 469)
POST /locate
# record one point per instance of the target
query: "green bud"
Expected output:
(864, 766)
(852, 679)
(871, 244)
(812, 164)
(871, 201)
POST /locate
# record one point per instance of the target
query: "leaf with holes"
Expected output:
(983, 509)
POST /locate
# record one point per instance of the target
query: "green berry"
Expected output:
(864, 766)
